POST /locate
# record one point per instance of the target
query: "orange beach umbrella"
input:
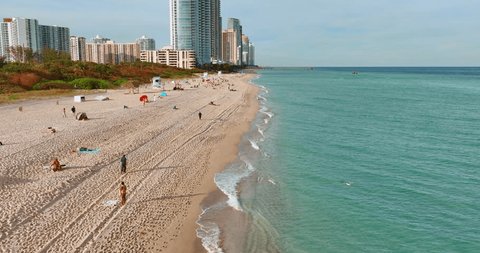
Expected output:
(143, 98)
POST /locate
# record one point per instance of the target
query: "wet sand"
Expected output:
(172, 158)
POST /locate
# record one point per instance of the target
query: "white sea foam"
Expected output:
(260, 131)
(260, 97)
(229, 187)
(209, 233)
(227, 182)
(254, 144)
(250, 167)
(270, 114)
(271, 181)
(265, 111)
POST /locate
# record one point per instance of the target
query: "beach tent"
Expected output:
(82, 116)
(144, 98)
(156, 84)
(79, 99)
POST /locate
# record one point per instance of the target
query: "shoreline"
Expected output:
(172, 159)
(225, 152)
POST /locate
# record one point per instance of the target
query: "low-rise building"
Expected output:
(184, 59)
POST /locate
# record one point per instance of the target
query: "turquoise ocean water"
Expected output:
(384, 161)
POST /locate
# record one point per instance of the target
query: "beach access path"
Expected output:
(169, 167)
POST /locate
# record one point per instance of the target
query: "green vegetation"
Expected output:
(86, 83)
(56, 72)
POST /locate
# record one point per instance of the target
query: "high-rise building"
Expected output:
(216, 27)
(77, 48)
(25, 33)
(5, 37)
(192, 24)
(110, 52)
(146, 43)
(228, 46)
(245, 49)
(54, 37)
(251, 54)
(234, 50)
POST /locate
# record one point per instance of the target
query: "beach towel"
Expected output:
(163, 94)
(111, 202)
(89, 151)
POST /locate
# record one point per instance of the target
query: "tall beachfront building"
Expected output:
(232, 51)
(25, 33)
(146, 43)
(216, 27)
(54, 37)
(245, 49)
(234, 24)
(248, 51)
(77, 48)
(5, 35)
(251, 54)
(194, 25)
(106, 51)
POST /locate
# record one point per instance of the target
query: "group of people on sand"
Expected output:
(56, 166)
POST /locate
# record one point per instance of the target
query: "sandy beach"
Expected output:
(172, 156)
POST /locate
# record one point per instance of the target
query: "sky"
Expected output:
(294, 33)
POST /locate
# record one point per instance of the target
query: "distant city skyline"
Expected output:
(298, 33)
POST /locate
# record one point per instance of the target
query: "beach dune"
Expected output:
(172, 156)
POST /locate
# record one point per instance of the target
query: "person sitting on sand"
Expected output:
(1, 143)
(55, 165)
(175, 107)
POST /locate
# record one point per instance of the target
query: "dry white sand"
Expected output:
(172, 156)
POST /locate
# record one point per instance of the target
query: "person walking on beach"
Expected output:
(123, 164)
(73, 110)
(123, 193)
(199, 115)
(64, 113)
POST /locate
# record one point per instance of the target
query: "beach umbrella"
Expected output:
(143, 98)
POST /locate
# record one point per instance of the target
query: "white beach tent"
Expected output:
(79, 98)
(156, 84)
